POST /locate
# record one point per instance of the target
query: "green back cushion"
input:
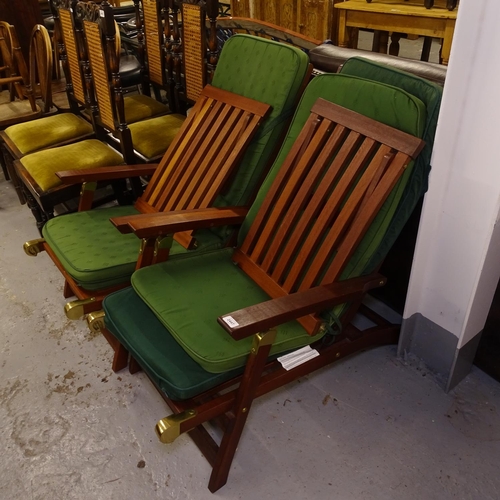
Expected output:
(43, 165)
(45, 132)
(269, 72)
(95, 254)
(430, 94)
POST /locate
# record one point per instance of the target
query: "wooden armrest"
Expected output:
(105, 173)
(158, 224)
(266, 315)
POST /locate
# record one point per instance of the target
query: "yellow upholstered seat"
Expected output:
(45, 132)
(43, 165)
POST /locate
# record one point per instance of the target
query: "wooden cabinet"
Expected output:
(312, 18)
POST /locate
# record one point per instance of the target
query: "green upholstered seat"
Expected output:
(43, 165)
(140, 107)
(153, 137)
(45, 132)
(186, 297)
(243, 61)
(96, 254)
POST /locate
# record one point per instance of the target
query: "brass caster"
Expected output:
(75, 308)
(168, 429)
(33, 247)
(95, 321)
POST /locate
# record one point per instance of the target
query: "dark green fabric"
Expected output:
(91, 153)
(430, 94)
(269, 72)
(153, 137)
(384, 103)
(188, 295)
(131, 321)
(96, 254)
(45, 132)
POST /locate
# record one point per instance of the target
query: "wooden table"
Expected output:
(394, 16)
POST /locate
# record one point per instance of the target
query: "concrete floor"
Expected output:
(370, 427)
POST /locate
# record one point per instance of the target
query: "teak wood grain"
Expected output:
(332, 184)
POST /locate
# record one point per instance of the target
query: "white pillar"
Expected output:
(456, 265)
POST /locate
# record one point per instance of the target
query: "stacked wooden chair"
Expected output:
(55, 130)
(207, 329)
(145, 140)
(202, 168)
(15, 73)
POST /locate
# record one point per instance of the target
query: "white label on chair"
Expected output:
(298, 357)
(230, 321)
(101, 13)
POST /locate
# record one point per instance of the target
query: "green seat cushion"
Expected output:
(96, 254)
(43, 165)
(189, 294)
(140, 107)
(430, 94)
(131, 321)
(153, 137)
(45, 132)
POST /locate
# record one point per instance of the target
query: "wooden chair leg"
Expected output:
(67, 291)
(244, 399)
(120, 359)
(134, 366)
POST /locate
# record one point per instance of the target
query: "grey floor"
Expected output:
(371, 427)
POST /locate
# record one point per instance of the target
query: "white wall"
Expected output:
(457, 260)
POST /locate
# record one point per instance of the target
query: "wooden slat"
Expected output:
(203, 155)
(341, 223)
(281, 178)
(99, 73)
(68, 30)
(330, 188)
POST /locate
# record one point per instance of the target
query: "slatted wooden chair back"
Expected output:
(324, 198)
(72, 54)
(41, 63)
(15, 65)
(203, 154)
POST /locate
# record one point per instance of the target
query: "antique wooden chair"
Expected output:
(23, 108)
(110, 258)
(142, 141)
(207, 329)
(24, 138)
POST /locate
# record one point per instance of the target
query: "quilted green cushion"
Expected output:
(430, 94)
(269, 72)
(45, 132)
(382, 102)
(131, 321)
(188, 295)
(92, 153)
(140, 107)
(153, 137)
(96, 254)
